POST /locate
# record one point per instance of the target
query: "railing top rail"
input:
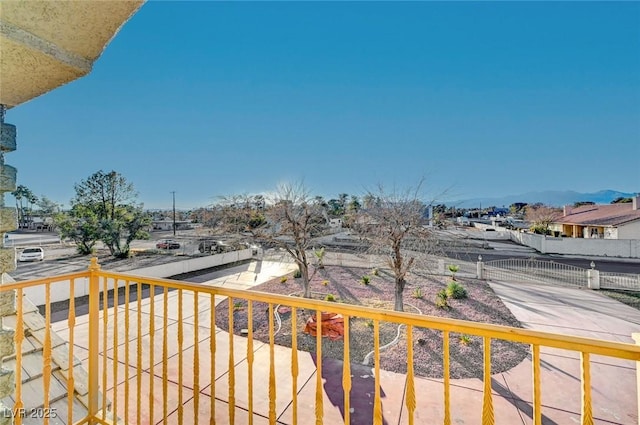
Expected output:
(573, 343)
(532, 262)
(43, 280)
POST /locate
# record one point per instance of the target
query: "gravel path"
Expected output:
(482, 305)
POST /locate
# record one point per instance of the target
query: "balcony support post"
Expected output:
(94, 339)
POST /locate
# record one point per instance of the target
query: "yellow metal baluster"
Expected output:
(165, 387)
(294, 363)
(196, 361)
(272, 369)
(232, 371)
(377, 401)
(139, 359)
(46, 368)
(152, 347)
(319, 390)
(18, 337)
(250, 358)
(487, 400)
(585, 371)
(537, 405)
(71, 323)
(212, 349)
(116, 302)
(180, 356)
(105, 317)
(127, 283)
(411, 389)
(346, 372)
(94, 339)
(446, 371)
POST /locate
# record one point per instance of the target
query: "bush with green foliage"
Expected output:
(465, 339)
(297, 274)
(441, 299)
(365, 280)
(375, 272)
(330, 298)
(456, 291)
(324, 282)
(283, 279)
(453, 269)
(417, 293)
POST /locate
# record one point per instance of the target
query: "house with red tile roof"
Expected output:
(612, 221)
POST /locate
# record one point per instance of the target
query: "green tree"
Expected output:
(622, 200)
(105, 208)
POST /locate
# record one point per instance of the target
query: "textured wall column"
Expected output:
(8, 223)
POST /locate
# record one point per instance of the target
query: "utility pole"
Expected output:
(174, 212)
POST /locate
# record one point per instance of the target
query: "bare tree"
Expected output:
(394, 225)
(289, 220)
(541, 217)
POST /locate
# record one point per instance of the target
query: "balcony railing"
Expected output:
(152, 353)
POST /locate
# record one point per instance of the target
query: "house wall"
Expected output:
(627, 248)
(629, 230)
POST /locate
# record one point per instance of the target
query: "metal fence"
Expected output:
(532, 270)
(620, 281)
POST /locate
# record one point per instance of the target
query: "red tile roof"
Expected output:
(601, 215)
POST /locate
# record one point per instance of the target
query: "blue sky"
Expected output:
(482, 99)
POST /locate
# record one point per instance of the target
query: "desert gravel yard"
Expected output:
(344, 284)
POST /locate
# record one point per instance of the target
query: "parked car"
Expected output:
(31, 254)
(167, 244)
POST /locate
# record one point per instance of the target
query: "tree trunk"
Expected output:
(399, 306)
(304, 271)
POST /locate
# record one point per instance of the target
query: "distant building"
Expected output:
(613, 221)
(168, 225)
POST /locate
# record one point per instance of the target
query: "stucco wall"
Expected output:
(624, 248)
(60, 290)
(629, 231)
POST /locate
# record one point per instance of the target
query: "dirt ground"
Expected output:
(482, 305)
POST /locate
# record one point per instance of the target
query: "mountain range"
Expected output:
(550, 197)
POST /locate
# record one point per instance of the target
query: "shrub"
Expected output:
(456, 291)
(237, 306)
(365, 280)
(369, 323)
(324, 282)
(375, 272)
(297, 274)
(283, 279)
(465, 339)
(453, 269)
(441, 299)
(330, 297)
(417, 293)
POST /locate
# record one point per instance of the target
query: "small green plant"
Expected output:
(324, 283)
(369, 323)
(237, 306)
(330, 298)
(375, 272)
(365, 280)
(284, 279)
(320, 256)
(297, 274)
(417, 293)
(465, 339)
(453, 269)
(456, 291)
(442, 299)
